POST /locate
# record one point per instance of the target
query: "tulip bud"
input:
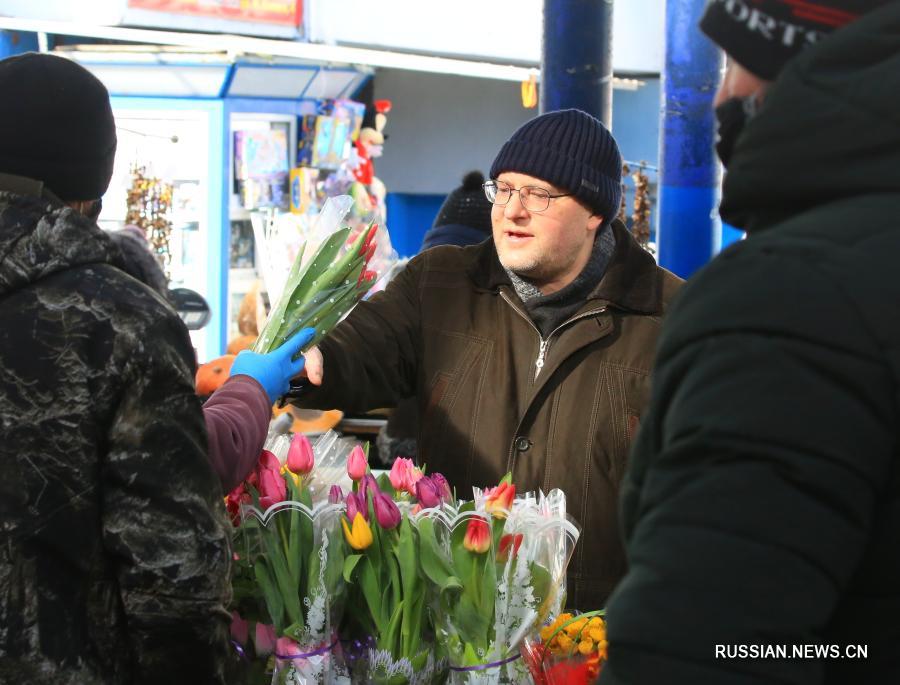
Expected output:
(267, 460)
(360, 537)
(300, 457)
(414, 476)
(399, 475)
(443, 487)
(509, 542)
(356, 504)
(499, 500)
(357, 464)
(478, 536)
(427, 493)
(272, 488)
(264, 639)
(386, 510)
(368, 483)
(240, 628)
(335, 494)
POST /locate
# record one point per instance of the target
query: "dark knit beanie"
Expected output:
(467, 205)
(572, 150)
(56, 125)
(762, 35)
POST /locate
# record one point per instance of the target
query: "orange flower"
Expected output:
(478, 536)
(508, 542)
(499, 500)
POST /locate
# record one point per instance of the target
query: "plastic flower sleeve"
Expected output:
(321, 290)
(297, 553)
(331, 450)
(493, 578)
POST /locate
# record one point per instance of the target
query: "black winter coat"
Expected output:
(762, 503)
(114, 558)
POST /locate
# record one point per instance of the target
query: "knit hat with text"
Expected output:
(762, 35)
(572, 150)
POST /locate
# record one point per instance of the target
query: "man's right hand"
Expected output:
(315, 365)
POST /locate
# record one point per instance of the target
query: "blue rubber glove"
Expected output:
(274, 371)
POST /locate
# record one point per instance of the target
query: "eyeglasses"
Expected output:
(533, 199)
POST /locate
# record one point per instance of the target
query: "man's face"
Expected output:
(548, 248)
(739, 83)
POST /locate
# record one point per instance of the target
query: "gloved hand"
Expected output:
(273, 371)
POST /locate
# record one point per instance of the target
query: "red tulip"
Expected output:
(272, 488)
(386, 510)
(478, 536)
(499, 500)
(506, 542)
(267, 460)
(357, 464)
(300, 457)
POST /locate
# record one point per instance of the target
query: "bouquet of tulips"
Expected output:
(390, 630)
(570, 650)
(320, 291)
(295, 552)
(496, 570)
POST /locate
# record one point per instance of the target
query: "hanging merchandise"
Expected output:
(149, 204)
(640, 218)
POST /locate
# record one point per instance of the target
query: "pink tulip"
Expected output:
(264, 640)
(386, 510)
(272, 488)
(335, 494)
(427, 493)
(356, 503)
(286, 647)
(300, 457)
(357, 464)
(399, 474)
(240, 629)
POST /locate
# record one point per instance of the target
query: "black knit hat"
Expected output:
(570, 149)
(467, 205)
(762, 35)
(56, 125)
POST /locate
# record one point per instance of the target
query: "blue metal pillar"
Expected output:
(576, 58)
(689, 178)
(17, 42)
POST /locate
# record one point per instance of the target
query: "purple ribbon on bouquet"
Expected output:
(318, 652)
(484, 667)
(240, 650)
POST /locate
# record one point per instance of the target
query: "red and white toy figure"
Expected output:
(369, 144)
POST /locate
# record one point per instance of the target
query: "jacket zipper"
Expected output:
(545, 344)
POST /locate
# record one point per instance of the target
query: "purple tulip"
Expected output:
(356, 503)
(386, 510)
(427, 493)
(368, 483)
(335, 494)
(443, 487)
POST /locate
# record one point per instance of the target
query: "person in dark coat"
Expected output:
(464, 218)
(529, 353)
(762, 504)
(115, 551)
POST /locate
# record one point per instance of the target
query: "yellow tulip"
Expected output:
(360, 537)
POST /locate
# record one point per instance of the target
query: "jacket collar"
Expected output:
(632, 281)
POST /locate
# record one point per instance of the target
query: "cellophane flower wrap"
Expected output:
(388, 635)
(570, 650)
(321, 290)
(496, 571)
(294, 549)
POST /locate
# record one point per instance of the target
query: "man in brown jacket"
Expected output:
(530, 352)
